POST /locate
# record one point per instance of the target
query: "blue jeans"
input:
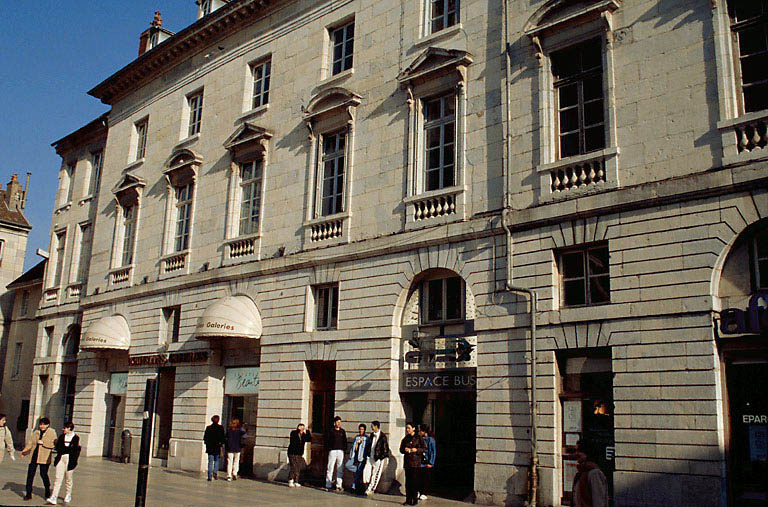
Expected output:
(213, 464)
(359, 473)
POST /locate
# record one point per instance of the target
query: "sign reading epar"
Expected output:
(463, 379)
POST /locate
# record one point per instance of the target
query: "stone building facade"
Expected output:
(340, 207)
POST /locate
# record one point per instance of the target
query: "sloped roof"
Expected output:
(12, 215)
(33, 275)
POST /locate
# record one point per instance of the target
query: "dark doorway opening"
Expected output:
(322, 397)
(164, 412)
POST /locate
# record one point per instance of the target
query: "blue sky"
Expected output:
(52, 53)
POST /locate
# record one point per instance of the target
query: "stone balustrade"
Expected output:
(752, 135)
(74, 290)
(434, 206)
(328, 229)
(174, 262)
(241, 247)
(51, 294)
(580, 175)
(120, 276)
(744, 138)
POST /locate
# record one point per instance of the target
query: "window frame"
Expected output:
(184, 196)
(442, 122)
(24, 304)
(444, 17)
(140, 128)
(578, 79)
(337, 199)
(195, 109)
(260, 90)
(347, 45)
(255, 184)
(61, 245)
(84, 253)
(70, 171)
(587, 276)
(97, 166)
(128, 242)
(323, 310)
(736, 26)
(425, 294)
(17, 359)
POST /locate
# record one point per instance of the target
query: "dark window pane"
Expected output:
(448, 177)
(593, 87)
(573, 293)
(745, 9)
(433, 180)
(334, 297)
(338, 51)
(565, 63)
(438, 8)
(435, 303)
(337, 67)
(756, 98)
(600, 290)
(568, 95)
(594, 139)
(593, 113)
(451, 19)
(762, 268)
(572, 264)
(448, 132)
(569, 120)
(762, 244)
(329, 166)
(752, 40)
(569, 145)
(449, 104)
(453, 298)
(592, 55)
(754, 68)
(433, 158)
(432, 110)
(433, 137)
(598, 261)
(350, 30)
(448, 158)
(437, 24)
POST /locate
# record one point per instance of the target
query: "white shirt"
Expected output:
(373, 442)
(68, 438)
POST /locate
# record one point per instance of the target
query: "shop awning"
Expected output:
(110, 333)
(231, 317)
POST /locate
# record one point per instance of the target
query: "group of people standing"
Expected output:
(231, 440)
(41, 445)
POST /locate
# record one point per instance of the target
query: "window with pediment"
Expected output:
(128, 193)
(180, 175)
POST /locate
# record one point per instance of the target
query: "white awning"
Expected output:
(107, 333)
(231, 317)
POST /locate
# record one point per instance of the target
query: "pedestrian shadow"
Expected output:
(21, 489)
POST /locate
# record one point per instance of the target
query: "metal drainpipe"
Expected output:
(505, 174)
(534, 481)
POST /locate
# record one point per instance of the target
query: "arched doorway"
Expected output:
(438, 385)
(740, 286)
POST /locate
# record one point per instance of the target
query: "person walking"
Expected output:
(377, 451)
(235, 434)
(413, 448)
(590, 488)
(214, 439)
(40, 444)
(298, 438)
(357, 454)
(336, 443)
(428, 461)
(67, 452)
(7, 439)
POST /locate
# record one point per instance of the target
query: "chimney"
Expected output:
(13, 193)
(145, 39)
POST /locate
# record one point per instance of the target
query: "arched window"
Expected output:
(71, 343)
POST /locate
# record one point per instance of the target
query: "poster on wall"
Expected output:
(118, 383)
(242, 381)
(572, 416)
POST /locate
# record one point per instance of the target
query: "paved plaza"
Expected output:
(106, 483)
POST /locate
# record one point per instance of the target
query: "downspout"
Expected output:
(509, 283)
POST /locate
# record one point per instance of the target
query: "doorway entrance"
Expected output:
(322, 398)
(114, 426)
(746, 375)
(166, 380)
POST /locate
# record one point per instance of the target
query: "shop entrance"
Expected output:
(241, 402)
(748, 449)
(452, 416)
(114, 426)
(166, 380)
(322, 397)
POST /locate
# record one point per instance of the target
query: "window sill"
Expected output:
(578, 175)
(187, 141)
(86, 199)
(327, 230)
(445, 33)
(251, 113)
(335, 79)
(133, 165)
(64, 207)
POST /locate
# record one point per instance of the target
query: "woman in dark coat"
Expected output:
(413, 448)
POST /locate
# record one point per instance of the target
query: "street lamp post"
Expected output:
(146, 440)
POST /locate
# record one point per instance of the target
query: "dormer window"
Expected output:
(205, 7)
(154, 40)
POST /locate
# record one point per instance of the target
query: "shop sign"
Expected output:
(118, 383)
(441, 352)
(753, 320)
(242, 381)
(200, 356)
(463, 379)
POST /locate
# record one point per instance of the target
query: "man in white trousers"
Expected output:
(378, 452)
(336, 443)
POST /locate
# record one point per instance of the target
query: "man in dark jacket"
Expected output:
(214, 438)
(377, 450)
(299, 437)
(413, 448)
(336, 443)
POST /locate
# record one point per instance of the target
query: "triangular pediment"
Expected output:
(245, 134)
(434, 59)
(557, 13)
(129, 181)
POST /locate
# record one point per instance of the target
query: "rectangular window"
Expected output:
(24, 303)
(85, 252)
(342, 48)
(443, 13)
(250, 205)
(141, 138)
(195, 112)
(578, 74)
(327, 304)
(129, 234)
(97, 160)
(45, 347)
(172, 322)
(442, 299)
(334, 151)
(439, 142)
(261, 77)
(17, 359)
(61, 242)
(70, 182)
(761, 260)
(749, 25)
(585, 276)
(68, 390)
(184, 195)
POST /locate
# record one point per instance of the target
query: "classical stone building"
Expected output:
(344, 206)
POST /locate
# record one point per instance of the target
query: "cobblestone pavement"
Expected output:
(105, 483)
